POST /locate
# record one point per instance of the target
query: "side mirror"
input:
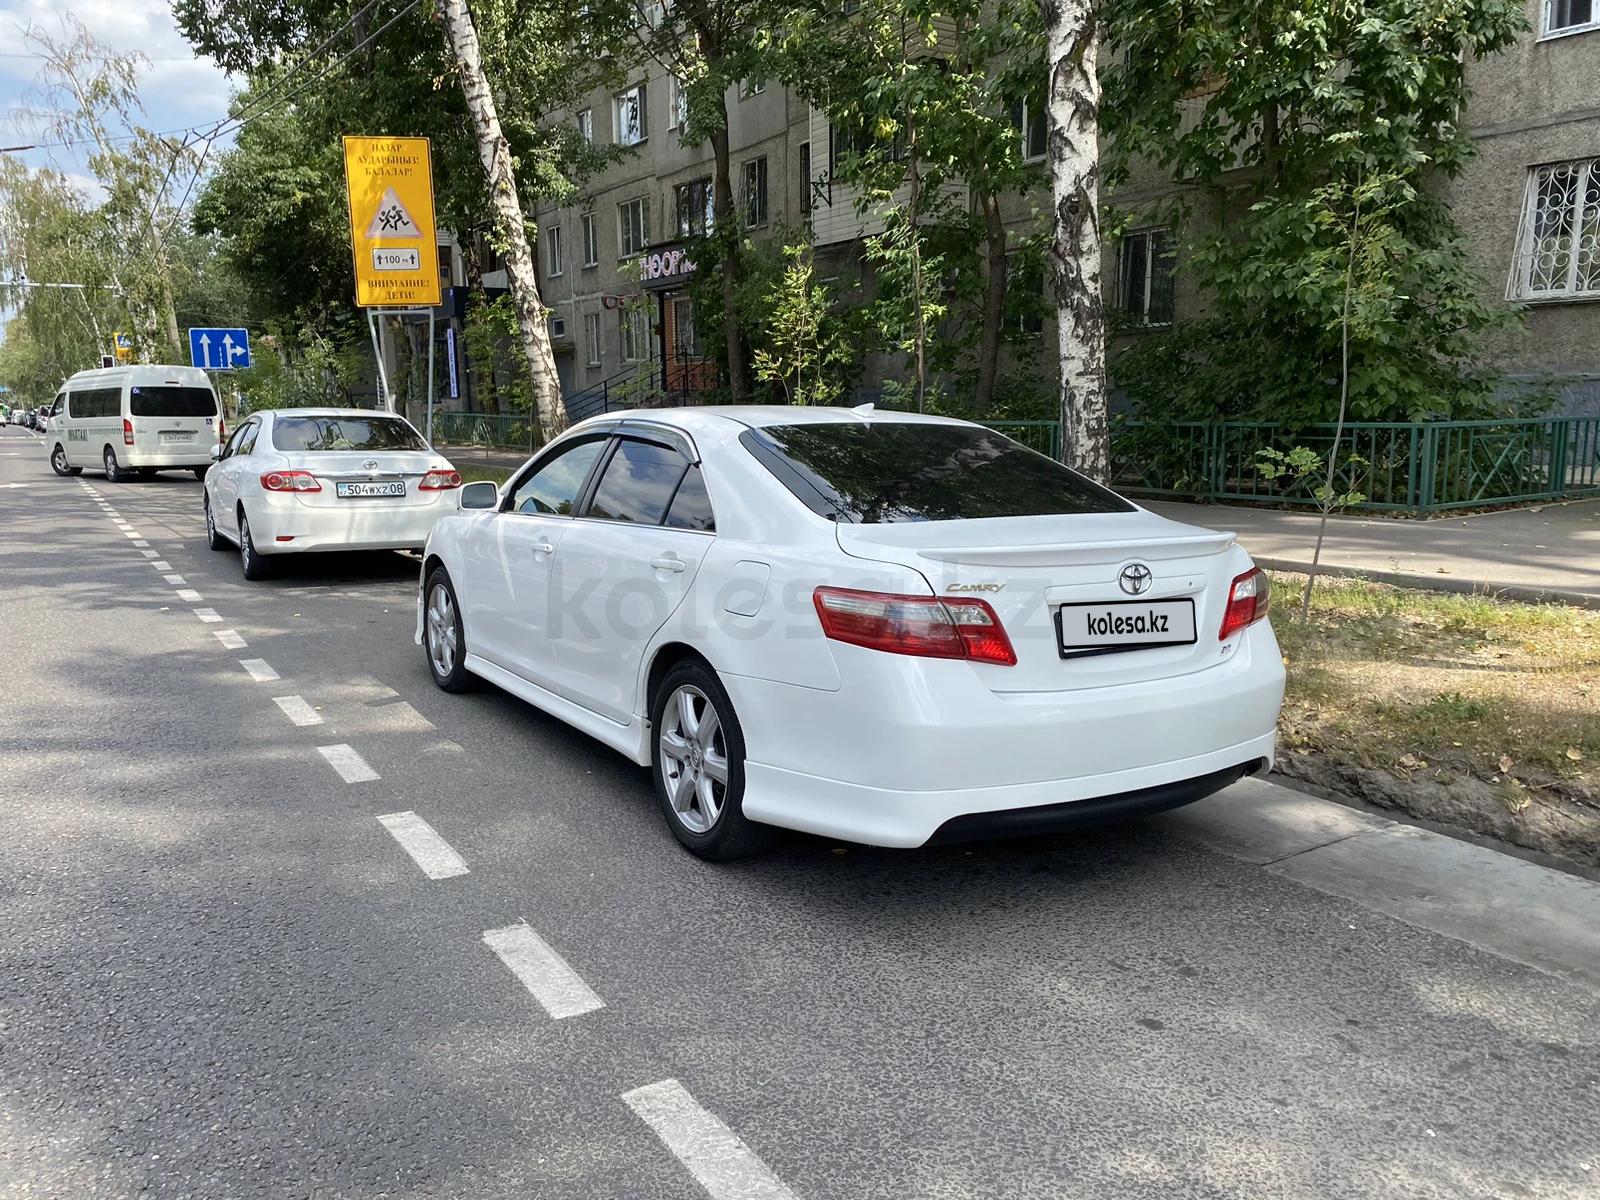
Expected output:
(480, 494)
(216, 453)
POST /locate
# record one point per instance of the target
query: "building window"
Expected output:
(693, 206)
(806, 183)
(1028, 117)
(677, 105)
(1025, 300)
(1558, 245)
(552, 240)
(751, 87)
(634, 326)
(558, 328)
(755, 192)
(1144, 277)
(632, 117)
(591, 339)
(1562, 17)
(633, 226)
(586, 125)
(591, 240)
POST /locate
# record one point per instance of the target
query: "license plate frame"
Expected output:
(1083, 649)
(170, 436)
(370, 489)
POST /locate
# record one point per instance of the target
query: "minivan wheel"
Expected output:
(698, 765)
(213, 539)
(255, 567)
(58, 462)
(443, 636)
(114, 473)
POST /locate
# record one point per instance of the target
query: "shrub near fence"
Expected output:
(1420, 467)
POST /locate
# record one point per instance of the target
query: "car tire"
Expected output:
(444, 639)
(214, 539)
(200, 473)
(58, 462)
(255, 566)
(114, 472)
(705, 814)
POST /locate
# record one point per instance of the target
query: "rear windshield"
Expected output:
(876, 472)
(170, 401)
(344, 433)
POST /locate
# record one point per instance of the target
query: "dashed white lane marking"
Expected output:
(208, 614)
(714, 1154)
(297, 710)
(175, 580)
(132, 533)
(151, 553)
(123, 524)
(230, 639)
(159, 564)
(189, 596)
(351, 766)
(141, 543)
(542, 971)
(420, 840)
(260, 670)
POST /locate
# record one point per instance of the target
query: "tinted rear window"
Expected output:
(165, 401)
(344, 433)
(876, 472)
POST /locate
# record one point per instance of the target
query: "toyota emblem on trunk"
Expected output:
(1134, 579)
(370, 465)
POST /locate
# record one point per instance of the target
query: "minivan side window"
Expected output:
(95, 402)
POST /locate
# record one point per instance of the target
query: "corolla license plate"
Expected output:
(369, 489)
(1124, 625)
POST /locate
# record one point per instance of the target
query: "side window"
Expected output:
(232, 447)
(247, 442)
(638, 483)
(61, 402)
(553, 486)
(691, 507)
(71, 403)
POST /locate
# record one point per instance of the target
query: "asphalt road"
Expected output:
(222, 975)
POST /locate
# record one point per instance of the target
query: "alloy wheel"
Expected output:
(441, 631)
(694, 756)
(245, 548)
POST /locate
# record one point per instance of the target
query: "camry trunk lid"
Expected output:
(1087, 599)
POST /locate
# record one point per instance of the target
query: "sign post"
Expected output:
(393, 239)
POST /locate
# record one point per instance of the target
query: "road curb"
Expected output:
(1488, 588)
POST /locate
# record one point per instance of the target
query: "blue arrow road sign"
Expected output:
(219, 349)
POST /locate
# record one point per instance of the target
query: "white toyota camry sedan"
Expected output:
(306, 480)
(872, 626)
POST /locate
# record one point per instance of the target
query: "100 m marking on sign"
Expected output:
(407, 259)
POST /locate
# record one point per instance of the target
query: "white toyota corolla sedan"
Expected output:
(304, 480)
(873, 626)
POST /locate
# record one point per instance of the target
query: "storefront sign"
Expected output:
(657, 265)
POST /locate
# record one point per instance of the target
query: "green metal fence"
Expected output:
(1419, 467)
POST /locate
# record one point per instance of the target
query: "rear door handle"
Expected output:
(543, 548)
(668, 562)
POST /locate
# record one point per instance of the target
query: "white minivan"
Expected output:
(134, 419)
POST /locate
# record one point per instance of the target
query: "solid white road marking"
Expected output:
(351, 766)
(230, 639)
(542, 971)
(175, 580)
(15, 485)
(297, 710)
(189, 596)
(260, 670)
(208, 614)
(714, 1154)
(420, 840)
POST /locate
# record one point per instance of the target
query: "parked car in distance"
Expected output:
(313, 480)
(134, 420)
(878, 627)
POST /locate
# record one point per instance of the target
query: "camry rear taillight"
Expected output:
(1248, 601)
(926, 626)
(439, 481)
(127, 432)
(290, 481)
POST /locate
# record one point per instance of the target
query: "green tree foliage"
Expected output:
(1281, 113)
(808, 350)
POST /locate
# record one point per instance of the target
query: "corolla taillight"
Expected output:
(290, 481)
(439, 481)
(925, 626)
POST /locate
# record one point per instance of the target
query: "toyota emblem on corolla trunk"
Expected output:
(370, 465)
(1134, 579)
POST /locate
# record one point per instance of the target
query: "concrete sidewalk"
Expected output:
(1551, 552)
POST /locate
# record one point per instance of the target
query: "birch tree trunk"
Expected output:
(1074, 158)
(495, 155)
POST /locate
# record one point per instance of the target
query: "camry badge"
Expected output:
(975, 587)
(1135, 579)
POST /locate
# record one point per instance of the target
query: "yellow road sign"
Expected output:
(124, 347)
(390, 183)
